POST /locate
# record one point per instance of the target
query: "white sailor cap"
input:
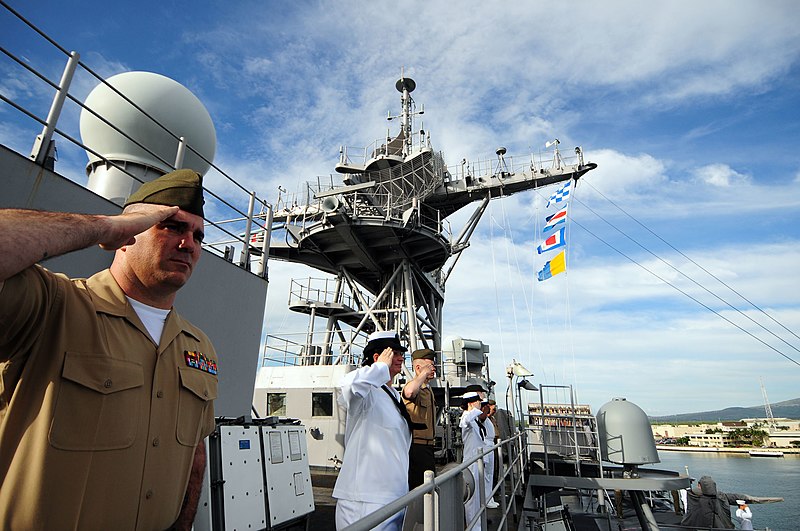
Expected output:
(382, 334)
(471, 396)
(378, 341)
(740, 502)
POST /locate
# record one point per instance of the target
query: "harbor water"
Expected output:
(756, 476)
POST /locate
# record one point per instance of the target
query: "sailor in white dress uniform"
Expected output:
(377, 436)
(473, 434)
(488, 471)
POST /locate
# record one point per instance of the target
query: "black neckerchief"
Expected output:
(481, 428)
(404, 412)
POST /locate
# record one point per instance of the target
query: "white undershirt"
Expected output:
(152, 318)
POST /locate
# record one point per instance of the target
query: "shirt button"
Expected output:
(107, 383)
(148, 494)
(205, 394)
(160, 394)
(156, 441)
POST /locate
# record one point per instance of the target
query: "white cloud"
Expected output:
(720, 175)
(286, 88)
(620, 175)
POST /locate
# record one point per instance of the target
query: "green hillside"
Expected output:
(787, 409)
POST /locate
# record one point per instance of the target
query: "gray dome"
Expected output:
(166, 100)
(625, 434)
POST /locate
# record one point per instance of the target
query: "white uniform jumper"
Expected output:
(745, 516)
(376, 441)
(473, 439)
(488, 471)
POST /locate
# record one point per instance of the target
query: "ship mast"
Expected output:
(383, 234)
(770, 419)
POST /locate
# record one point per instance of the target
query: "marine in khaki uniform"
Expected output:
(419, 401)
(106, 392)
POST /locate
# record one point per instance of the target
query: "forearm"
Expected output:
(192, 497)
(29, 236)
(411, 389)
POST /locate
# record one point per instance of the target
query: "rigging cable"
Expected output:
(496, 291)
(686, 294)
(688, 277)
(510, 234)
(568, 315)
(530, 309)
(712, 275)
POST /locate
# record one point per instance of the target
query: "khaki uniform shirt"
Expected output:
(422, 409)
(496, 430)
(98, 425)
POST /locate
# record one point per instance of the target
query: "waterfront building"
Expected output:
(784, 433)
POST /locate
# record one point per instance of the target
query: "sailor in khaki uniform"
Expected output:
(106, 392)
(419, 401)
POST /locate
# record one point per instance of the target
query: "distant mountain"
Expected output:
(786, 409)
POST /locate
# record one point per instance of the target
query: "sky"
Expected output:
(689, 109)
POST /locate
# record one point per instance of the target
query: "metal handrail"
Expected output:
(697, 528)
(432, 483)
(50, 124)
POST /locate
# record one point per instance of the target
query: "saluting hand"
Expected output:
(386, 356)
(122, 229)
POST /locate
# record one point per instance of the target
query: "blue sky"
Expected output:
(688, 108)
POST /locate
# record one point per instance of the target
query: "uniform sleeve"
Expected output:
(468, 417)
(355, 385)
(24, 302)
(410, 401)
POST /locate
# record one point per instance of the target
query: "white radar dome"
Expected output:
(168, 102)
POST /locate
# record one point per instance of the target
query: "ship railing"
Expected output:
(541, 163)
(238, 212)
(397, 187)
(508, 485)
(388, 146)
(323, 291)
(700, 528)
(560, 426)
(389, 200)
(305, 349)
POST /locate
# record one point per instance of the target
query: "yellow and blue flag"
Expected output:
(555, 266)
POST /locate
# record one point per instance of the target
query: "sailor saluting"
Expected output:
(473, 435)
(377, 435)
(106, 392)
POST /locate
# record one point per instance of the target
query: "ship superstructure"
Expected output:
(383, 236)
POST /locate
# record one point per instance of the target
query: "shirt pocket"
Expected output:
(197, 392)
(419, 413)
(98, 403)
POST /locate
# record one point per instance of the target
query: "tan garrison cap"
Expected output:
(181, 188)
(423, 354)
